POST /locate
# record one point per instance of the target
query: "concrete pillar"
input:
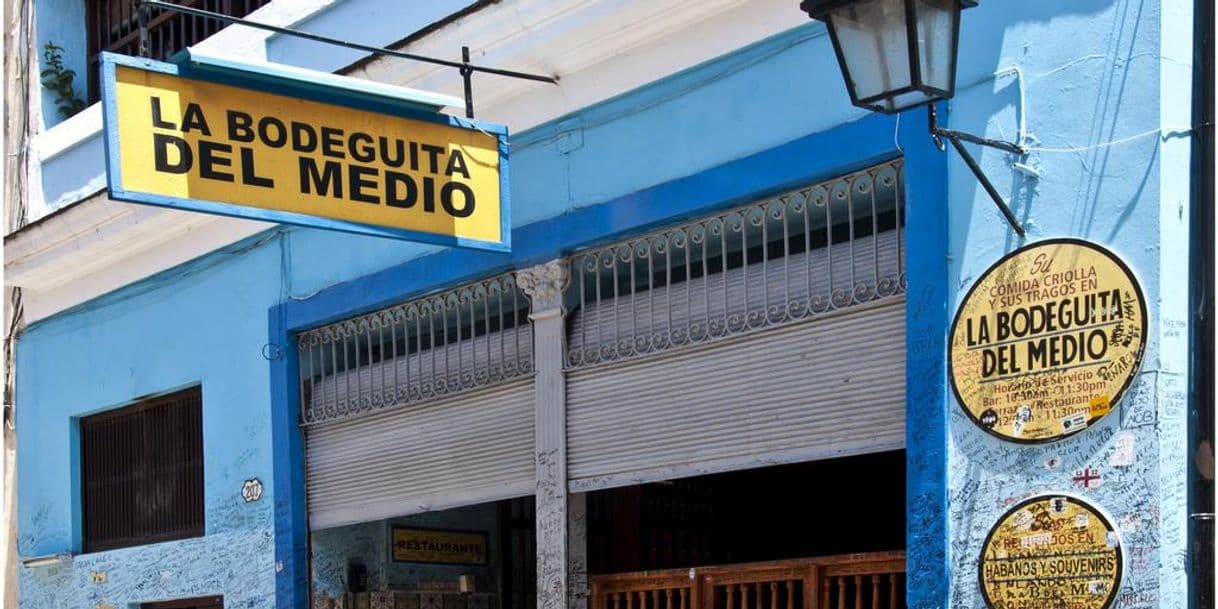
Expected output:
(544, 285)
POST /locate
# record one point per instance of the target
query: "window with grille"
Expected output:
(142, 472)
(113, 25)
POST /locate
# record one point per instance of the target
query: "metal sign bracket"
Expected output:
(464, 66)
(956, 137)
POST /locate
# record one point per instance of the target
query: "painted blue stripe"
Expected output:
(814, 157)
(927, 399)
(288, 492)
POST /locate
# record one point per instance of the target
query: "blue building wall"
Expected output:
(206, 321)
(1093, 73)
(1106, 90)
(191, 325)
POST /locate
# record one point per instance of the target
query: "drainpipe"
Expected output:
(1201, 297)
(19, 88)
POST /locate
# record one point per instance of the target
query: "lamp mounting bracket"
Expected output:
(464, 67)
(956, 137)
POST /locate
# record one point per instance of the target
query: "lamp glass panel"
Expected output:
(911, 99)
(935, 21)
(874, 45)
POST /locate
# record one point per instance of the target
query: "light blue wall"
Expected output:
(195, 324)
(1095, 103)
(63, 23)
(372, 22)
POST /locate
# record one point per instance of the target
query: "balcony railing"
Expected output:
(113, 26)
(854, 581)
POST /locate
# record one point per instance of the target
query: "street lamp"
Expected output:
(901, 54)
(894, 54)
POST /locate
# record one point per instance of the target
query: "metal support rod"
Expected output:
(968, 137)
(938, 133)
(985, 183)
(936, 130)
(141, 16)
(344, 43)
(467, 75)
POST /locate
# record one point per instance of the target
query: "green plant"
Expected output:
(58, 79)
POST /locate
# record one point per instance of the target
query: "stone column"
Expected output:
(544, 286)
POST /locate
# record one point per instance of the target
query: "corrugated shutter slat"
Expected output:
(470, 448)
(814, 389)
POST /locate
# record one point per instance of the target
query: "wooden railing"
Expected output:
(854, 581)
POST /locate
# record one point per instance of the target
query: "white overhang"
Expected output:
(598, 49)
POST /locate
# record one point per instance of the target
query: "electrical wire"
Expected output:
(1167, 134)
(1023, 102)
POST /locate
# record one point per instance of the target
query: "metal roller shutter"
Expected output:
(470, 448)
(810, 390)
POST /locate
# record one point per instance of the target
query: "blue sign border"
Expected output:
(265, 79)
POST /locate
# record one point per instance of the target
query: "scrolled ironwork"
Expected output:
(468, 337)
(793, 257)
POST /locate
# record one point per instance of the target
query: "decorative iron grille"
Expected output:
(474, 336)
(799, 255)
(142, 472)
(113, 26)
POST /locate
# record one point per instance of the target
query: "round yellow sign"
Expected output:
(1051, 552)
(1047, 340)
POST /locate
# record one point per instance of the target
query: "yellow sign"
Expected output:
(446, 547)
(1051, 552)
(201, 145)
(1047, 341)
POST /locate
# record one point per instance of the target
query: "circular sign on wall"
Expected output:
(1051, 552)
(1047, 340)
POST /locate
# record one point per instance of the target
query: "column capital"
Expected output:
(544, 284)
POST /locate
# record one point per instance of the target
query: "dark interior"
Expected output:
(821, 508)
